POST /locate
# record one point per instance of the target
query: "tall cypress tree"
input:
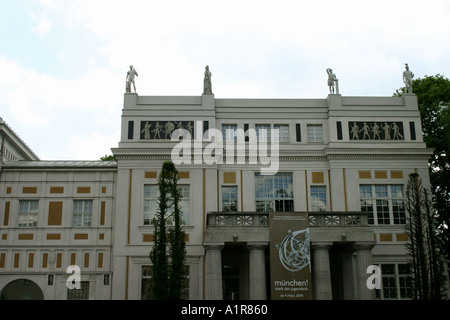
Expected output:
(169, 250)
(158, 254)
(427, 271)
(177, 243)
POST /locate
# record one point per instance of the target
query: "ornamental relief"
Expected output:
(162, 130)
(376, 130)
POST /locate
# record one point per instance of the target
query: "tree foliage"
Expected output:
(169, 251)
(433, 95)
(427, 269)
(108, 158)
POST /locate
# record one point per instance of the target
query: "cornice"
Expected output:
(318, 158)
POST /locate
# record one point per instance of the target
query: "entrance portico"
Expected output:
(237, 267)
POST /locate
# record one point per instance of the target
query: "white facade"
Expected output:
(333, 174)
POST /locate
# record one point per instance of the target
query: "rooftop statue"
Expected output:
(207, 86)
(333, 82)
(407, 79)
(130, 79)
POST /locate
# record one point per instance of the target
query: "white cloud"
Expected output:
(43, 25)
(32, 96)
(255, 48)
(92, 146)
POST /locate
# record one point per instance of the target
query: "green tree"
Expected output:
(168, 252)
(158, 254)
(433, 96)
(108, 158)
(427, 269)
(177, 238)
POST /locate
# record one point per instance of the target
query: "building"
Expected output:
(343, 160)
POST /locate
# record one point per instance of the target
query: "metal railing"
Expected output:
(261, 219)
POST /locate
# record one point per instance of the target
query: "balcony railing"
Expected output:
(261, 219)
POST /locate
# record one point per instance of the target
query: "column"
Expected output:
(322, 274)
(363, 260)
(213, 272)
(257, 271)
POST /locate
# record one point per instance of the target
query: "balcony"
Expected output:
(335, 227)
(261, 219)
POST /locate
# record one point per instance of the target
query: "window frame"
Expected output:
(186, 207)
(385, 205)
(79, 294)
(270, 201)
(400, 283)
(86, 216)
(263, 127)
(227, 128)
(147, 275)
(313, 207)
(314, 133)
(283, 135)
(227, 207)
(30, 216)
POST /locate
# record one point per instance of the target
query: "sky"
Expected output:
(63, 63)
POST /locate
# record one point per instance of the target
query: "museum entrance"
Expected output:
(235, 271)
(341, 269)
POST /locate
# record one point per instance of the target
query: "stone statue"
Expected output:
(355, 131)
(130, 79)
(146, 130)
(333, 83)
(376, 131)
(407, 79)
(207, 86)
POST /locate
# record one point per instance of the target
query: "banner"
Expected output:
(290, 259)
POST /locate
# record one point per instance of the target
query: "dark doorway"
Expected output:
(22, 289)
(235, 271)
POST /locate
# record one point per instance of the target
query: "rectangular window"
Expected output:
(283, 132)
(205, 129)
(339, 130)
(298, 132)
(389, 283)
(365, 194)
(130, 130)
(263, 132)
(314, 133)
(404, 280)
(28, 213)
(318, 198)
(82, 213)
(151, 194)
(150, 203)
(79, 294)
(412, 129)
(396, 282)
(147, 285)
(398, 204)
(229, 198)
(185, 203)
(274, 193)
(385, 204)
(229, 132)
